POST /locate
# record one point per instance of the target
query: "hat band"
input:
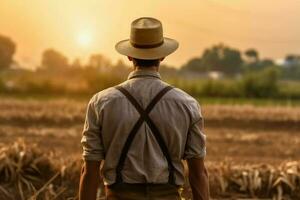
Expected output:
(146, 46)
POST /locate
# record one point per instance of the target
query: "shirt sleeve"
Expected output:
(91, 136)
(196, 139)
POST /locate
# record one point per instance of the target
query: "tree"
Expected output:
(256, 64)
(218, 58)
(99, 61)
(120, 69)
(194, 65)
(292, 69)
(222, 58)
(231, 61)
(210, 59)
(76, 64)
(252, 54)
(54, 60)
(7, 50)
(292, 60)
(267, 62)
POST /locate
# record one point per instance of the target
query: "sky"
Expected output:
(78, 28)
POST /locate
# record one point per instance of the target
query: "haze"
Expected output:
(79, 28)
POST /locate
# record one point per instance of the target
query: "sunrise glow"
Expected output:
(80, 27)
(84, 39)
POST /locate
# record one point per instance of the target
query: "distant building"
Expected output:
(215, 75)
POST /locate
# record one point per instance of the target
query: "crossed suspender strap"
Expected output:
(144, 117)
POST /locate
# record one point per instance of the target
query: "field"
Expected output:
(253, 151)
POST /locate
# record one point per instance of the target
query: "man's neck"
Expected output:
(154, 68)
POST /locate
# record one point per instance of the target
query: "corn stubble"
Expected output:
(29, 174)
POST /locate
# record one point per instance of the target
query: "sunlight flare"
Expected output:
(84, 39)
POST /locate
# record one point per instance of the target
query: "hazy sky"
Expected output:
(78, 28)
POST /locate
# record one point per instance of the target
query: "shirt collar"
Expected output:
(144, 73)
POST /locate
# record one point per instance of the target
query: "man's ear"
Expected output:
(129, 58)
(162, 59)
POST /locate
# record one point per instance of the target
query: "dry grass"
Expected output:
(32, 112)
(250, 112)
(249, 116)
(256, 181)
(27, 173)
(65, 112)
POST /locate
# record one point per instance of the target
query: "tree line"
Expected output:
(231, 62)
(244, 74)
(218, 58)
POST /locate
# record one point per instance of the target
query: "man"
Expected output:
(141, 130)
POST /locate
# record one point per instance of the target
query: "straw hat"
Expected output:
(146, 40)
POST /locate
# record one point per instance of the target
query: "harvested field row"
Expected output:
(252, 146)
(65, 112)
(235, 145)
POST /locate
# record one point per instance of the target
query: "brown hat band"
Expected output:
(146, 46)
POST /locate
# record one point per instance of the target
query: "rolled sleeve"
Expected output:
(196, 139)
(91, 137)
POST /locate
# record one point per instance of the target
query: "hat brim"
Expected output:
(124, 47)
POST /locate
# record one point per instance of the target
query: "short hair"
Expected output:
(145, 63)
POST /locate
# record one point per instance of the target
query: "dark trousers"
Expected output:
(127, 191)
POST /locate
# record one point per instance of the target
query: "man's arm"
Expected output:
(198, 178)
(89, 180)
(93, 153)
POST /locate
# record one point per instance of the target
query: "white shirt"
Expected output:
(110, 117)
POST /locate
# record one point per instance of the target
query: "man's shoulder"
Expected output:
(181, 96)
(105, 95)
(187, 101)
(176, 94)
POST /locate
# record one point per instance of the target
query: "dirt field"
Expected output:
(236, 136)
(236, 133)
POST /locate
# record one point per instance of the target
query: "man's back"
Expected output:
(143, 128)
(177, 117)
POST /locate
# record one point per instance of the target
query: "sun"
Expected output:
(84, 39)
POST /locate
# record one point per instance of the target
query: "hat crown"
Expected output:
(146, 40)
(146, 32)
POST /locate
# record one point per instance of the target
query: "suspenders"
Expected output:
(144, 117)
